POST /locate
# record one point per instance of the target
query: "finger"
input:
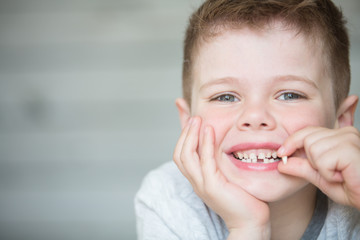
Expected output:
(299, 167)
(313, 140)
(325, 151)
(307, 136)
(297, 141)
(208, 164)
(189, 157)
(321, 150)
(179, 147)
(344, 158)
(332, 161)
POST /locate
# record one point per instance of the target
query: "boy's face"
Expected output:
(255, 89)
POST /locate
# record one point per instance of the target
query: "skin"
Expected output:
(267, 86)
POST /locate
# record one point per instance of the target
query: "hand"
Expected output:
(332, 164)
(243, 214)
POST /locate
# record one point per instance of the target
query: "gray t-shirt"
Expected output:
(167, 208)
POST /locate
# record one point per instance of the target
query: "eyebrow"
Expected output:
(220, 81)
(297, 78)
(236, 81)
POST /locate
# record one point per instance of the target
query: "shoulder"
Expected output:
(165, 188)
(164, 182)
(166, 199)
(342, 222)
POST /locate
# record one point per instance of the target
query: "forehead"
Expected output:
(252, 54)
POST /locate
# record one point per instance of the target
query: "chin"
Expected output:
(273, 188)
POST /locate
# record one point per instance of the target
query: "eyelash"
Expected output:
(294, 96)
(220, 98)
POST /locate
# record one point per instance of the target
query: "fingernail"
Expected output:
(207, 130)
(194, 121)
(281, 151)
(190, 121)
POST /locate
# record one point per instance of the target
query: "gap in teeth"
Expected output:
(261, 157)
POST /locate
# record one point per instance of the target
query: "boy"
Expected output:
(267, 149)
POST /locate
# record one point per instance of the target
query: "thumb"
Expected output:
(300, 167)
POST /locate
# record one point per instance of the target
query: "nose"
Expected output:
(256, 117)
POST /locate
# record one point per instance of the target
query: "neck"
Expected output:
(291, 216)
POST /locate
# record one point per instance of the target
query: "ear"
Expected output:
(184, 111)
(346, 111)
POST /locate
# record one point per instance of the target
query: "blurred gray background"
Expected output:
(87, 92)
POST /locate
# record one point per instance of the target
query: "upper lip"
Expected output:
(253, 146)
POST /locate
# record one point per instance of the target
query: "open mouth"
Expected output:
(258, 157)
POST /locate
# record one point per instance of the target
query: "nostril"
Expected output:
(248, 125)
(255, 120)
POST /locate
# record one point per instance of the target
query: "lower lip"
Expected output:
(254, 166)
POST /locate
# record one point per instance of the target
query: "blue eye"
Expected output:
(288, 96)
(226, 98)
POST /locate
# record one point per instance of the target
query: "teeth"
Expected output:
(268, 157)
(284, 159)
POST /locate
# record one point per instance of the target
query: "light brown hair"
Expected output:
(320, 20)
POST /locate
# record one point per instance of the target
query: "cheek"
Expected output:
(221, 121)
(301, 118)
